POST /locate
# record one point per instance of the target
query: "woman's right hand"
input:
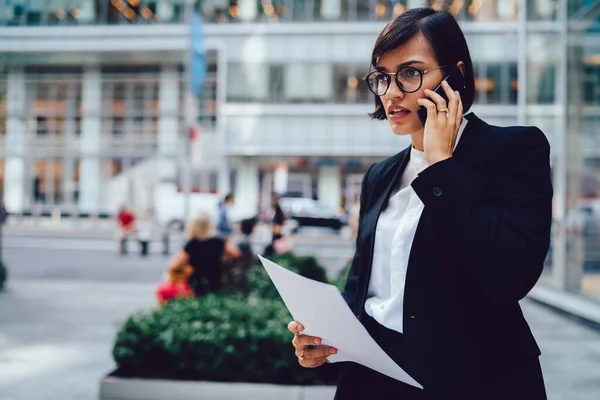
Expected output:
(308, 355)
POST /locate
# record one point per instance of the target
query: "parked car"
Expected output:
(308, 212)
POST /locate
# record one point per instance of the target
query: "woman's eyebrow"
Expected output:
(404, 64)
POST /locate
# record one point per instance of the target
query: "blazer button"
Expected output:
(437, 191)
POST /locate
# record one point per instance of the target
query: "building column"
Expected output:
(247, 189)
(329, 186)
(91, 140)
(168, 123)
(16, 130)
(68, 181)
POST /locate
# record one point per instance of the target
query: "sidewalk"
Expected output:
(106, 230)
(52, 347)
(581, 306)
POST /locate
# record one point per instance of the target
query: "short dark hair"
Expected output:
(247, 226)
(445, 37)
(228, 197)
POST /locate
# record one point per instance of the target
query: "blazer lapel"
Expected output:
(385, 181)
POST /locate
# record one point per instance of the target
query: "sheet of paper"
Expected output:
(324, 313)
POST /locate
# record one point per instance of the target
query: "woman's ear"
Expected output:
(461, 66)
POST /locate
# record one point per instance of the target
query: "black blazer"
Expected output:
(479, 248)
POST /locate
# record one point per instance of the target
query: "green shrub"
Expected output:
(340, 281)
(221, 338)
(3, 275)
(260, 285)
(211, 338)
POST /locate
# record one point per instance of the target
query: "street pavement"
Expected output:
(67, 297)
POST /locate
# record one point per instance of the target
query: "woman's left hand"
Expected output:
(442, 125)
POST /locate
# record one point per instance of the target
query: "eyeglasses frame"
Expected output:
(395, 74)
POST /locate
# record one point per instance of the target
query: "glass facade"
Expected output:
(496, 83)
(68, 12)
(582, 197)
(54, 120)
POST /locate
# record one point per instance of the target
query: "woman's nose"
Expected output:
(394, 89)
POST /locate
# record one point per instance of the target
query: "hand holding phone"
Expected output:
(444, 110)
(456, 81)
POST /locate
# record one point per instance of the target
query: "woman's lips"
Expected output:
(397, 115)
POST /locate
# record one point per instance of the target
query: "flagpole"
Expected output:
(188, 112)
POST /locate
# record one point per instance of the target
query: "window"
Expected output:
(542, 10)
(54, 98)
(3, 103)
(276, 83)
(304, 82)
(541, 82)
(496, 83)
(247, 82)
(130, 104)
(350, 86)
(591, 85)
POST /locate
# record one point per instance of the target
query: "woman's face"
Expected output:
(401, 108)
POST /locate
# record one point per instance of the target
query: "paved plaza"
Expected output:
(64, 302)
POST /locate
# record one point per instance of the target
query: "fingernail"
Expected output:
(299, 327)
(317, 341)
(333, 351)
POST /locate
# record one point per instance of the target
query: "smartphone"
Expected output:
(456, 81)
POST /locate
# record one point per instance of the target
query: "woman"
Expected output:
(453, 232)
(279, 243)
(278, 219)
(204, 252)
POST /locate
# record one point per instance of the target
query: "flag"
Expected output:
(198, 67)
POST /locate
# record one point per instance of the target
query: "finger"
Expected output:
(319, 352)
(452, 105)
(437, 99)
(295, 327)
(302, 341)
(430, 106)
(305, 340)
(459, 111)
(312, 363)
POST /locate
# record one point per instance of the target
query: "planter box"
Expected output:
(115, 388)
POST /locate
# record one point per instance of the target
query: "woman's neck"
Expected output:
(417, 140)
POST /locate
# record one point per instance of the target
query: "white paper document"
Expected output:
(324, 313)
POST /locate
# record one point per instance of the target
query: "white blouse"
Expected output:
(396, 228)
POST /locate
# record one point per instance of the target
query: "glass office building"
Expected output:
(94, 92)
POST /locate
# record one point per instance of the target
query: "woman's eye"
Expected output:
(410, 73)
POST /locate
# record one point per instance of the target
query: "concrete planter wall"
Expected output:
(114, 388)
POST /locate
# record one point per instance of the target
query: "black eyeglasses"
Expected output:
(408, 79)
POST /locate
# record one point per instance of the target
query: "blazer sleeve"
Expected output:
(351, 282)
(501, 236)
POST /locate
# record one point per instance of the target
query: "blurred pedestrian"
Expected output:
(144, 232)
(353, 217)
(246, 258)
(3, 213)
(453, 231)
(277, 223)
(176, 287)
(126, 227)
(224, 225)
(204, 252)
